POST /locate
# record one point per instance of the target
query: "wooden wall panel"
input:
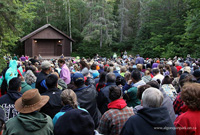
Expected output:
(28, 47)
(47, 44)
(48, 33)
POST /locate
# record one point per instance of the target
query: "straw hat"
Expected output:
(30, 101)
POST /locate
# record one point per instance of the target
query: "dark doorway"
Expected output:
(58, 47)
(45, 47)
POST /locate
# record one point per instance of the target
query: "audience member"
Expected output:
(75, 122)
(40, 82)
(86, 96)
(30, 121)
(54, 105)
(113, 120)
(152, 119)
(7, 101)
(69, 102)
(130, 94)
(110, 81)
(188, 122)
(64, 73)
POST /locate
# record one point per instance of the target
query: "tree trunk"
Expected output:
(70, 27)
(122, 21)
(101, 38)
(46, 12)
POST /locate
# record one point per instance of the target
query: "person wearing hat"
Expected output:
(86, 96)
(7, 101)
(30, 121)
(40, 82)
(64, 73)
(95, 76)
(12, 71)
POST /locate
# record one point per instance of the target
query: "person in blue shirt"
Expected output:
(69, 101)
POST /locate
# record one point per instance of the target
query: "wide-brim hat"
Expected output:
(30, 101)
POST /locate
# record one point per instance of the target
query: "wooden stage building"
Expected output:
(47, 41)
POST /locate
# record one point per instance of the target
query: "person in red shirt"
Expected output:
(177, 66)
(188, 122)
(113, 120)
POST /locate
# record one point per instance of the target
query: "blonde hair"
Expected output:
(147, 72)
(123, 69)
(76, 67)
(69, 97)
(139, 67)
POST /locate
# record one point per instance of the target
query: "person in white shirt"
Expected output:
(157, 76)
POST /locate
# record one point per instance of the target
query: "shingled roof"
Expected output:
(42, 28)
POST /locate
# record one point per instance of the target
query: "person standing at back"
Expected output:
(64, 73)
(139, 60)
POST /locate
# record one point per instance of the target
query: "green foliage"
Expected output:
(16, 18)
(3, 64)
(90, 49)
(160, 33)
(2, 61)
(191, 37)
(152, 28)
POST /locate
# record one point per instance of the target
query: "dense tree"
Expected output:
(153, 28)
(191, 37)
(16, 18)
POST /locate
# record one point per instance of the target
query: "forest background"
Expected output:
(151, 28)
